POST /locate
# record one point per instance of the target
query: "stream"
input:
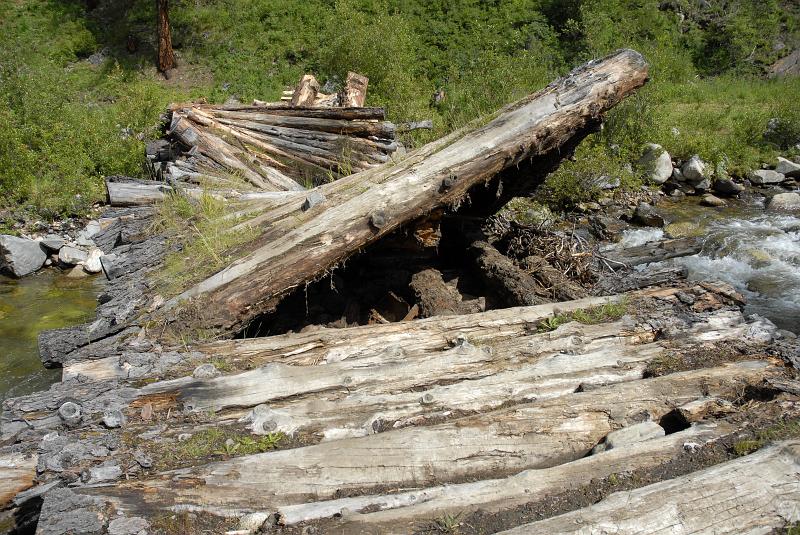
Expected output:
(756, 251)
(45, 300)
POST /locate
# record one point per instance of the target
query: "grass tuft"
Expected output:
(590, 316)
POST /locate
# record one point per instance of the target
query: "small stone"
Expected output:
(72, 256)
(92, 264)
(147, 412)
(314, 198)
(763, 177)
(114, 418)
(101, 474)
(656, 163)
(710, 200)
(92, 228)
(77, 272)
(70, 413)
(20, 256)
(83, 241)
(427, 398)
(694, 170)
(144, 460)
(677, 176)
(183, 437)
(691, 447)
(128, 526)
(703, 185)
(788, 202)
(788, 168)
(205, 371)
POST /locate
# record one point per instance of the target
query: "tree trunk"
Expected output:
(166, 56)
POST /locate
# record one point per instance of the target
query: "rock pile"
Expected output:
(23, 255)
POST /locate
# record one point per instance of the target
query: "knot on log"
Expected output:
(378, 219)
(314, 198)
(448, 183)
(70, 413)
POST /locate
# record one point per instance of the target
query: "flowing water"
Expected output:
(756, 251)
(45, 300)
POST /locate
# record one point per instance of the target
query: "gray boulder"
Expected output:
(785, 202)
(694, 170)
(648, 216)
(726, 186)
(763, 177)
(787, 168)
(656, 163)
(72, 256)
(20, 256)
(52, 243)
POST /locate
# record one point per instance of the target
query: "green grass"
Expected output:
(589, 316)
(67, 123)
(203, 235)
(780, 431)
(218, 442)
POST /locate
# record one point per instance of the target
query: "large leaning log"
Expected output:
(298, 246)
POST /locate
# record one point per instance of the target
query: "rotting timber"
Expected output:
(436, 410)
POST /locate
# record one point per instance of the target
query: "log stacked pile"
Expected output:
(266, 147)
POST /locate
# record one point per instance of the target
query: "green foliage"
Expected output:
(67, 123)
(218, 442)
(579, 180)
(590, 316)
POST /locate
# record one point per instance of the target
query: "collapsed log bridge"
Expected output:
(467, 420)
(296, 246)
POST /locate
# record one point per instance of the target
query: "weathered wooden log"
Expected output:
(435, 298)
(17, 473)
(306, 92)
(354, 127)
(333, 345)
(400, 513)
(368, 205)
(344, 113)
(269, 178)
(355, 90)
(546, 433)
(135, 193)
(626, 280)
(509, 285)
(758, 493)
(657, 251)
